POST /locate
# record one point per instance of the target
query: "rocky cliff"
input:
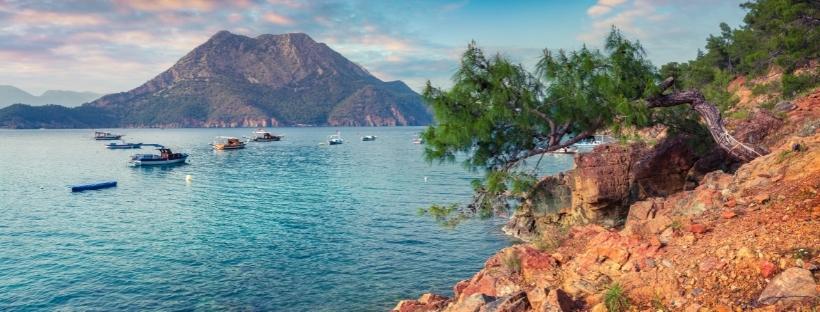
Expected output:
(700, 233)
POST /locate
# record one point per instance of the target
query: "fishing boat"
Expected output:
(123, 145)
(99, 135)
(335, 139)
(263, 136)
(227, 143)
(165, 157)
(369, 138)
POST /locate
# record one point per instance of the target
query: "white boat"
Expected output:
(335, 139)
(418, 140)
(227, 143)
(592, 141)
(165, 157)
(369, 138)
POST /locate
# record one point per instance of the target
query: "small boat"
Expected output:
(165, 157)
(565, 150)
(369, 138)
(263, 136)
(227, 143)
(591, 142)
(418, 140)
(335, 139)
(93, 186)
(99, 135)
(123, 145)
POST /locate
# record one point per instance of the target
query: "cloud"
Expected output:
(603, 7)
(277, 19)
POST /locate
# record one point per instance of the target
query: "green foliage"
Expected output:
(615, 300)
(446, 215)
(795, 84)
(740, 114)
(498, 114)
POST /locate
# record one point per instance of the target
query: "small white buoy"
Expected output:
(425, 179)
(188, 178)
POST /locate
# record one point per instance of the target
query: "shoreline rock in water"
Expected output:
(747, 240)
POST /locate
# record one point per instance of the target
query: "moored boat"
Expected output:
(123, 145)
(100, 135)
(369, 138)
(335, 139)
(592, 141)
(263, 136)
(418, 140)
(227, 143)
(165, 157)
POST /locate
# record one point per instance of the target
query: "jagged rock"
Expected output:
(516, 302)
(793, 284)
(783, 106)
(470, 303)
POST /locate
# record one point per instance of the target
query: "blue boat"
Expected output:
(93, 186)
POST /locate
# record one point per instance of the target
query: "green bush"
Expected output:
(794, 84)
(511, 262)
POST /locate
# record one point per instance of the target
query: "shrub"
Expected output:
(551, 238)
(794, 84)
(615, 299)
(511, 262)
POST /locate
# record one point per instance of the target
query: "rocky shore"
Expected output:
(701, 232)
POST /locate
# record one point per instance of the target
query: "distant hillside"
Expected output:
(238, 81)
(21, 116)
(12, 95)
(289, 79)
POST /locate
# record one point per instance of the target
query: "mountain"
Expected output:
(12, 95)
(271, 80)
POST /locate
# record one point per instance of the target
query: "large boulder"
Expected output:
(794, 284)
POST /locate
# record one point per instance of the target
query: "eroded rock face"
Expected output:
(607, 180)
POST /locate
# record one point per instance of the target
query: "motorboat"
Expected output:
(335, 139)
(123, 145)
(418, 140)
(165, 157)
(227, 143)
(263, 136)
(99, 135)
(591, 141)
(369, 138)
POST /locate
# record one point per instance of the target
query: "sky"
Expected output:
(115, 46)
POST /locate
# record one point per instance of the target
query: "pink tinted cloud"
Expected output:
(277, 19)
(39, 18)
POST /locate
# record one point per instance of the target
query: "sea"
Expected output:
(294, 225)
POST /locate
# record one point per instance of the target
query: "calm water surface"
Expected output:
(283, 226)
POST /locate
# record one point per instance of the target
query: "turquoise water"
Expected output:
(281, 226)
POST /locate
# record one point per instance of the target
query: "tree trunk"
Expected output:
(711, 115)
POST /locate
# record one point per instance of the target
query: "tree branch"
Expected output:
(711, 115)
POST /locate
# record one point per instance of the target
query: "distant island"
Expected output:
(10, 95)
(237, 81)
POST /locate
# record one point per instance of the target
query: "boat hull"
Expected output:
(136, 163)
(220, 147)
(93, 186)
(108, 138)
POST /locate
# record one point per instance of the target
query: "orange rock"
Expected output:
(761, 198)
(728, 214)
(697, 228)
(767, 269)
(731, 203)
